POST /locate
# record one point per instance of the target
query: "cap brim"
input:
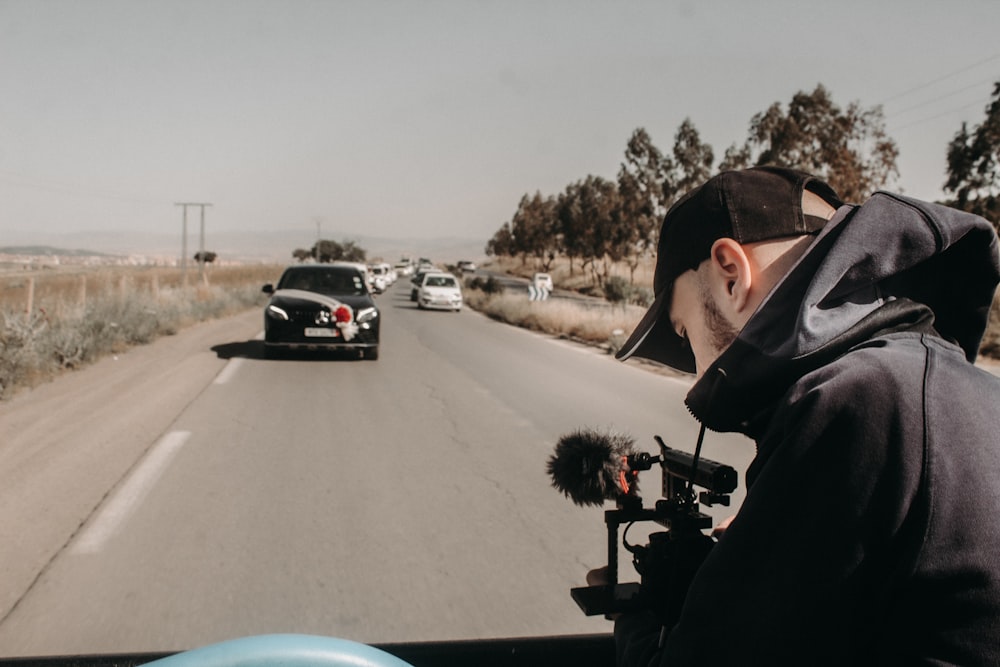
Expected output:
(654, 338)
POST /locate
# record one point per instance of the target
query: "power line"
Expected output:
(941, 78)
(936, 116)
(940, 97)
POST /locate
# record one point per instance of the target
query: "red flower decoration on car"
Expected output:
(343, 314)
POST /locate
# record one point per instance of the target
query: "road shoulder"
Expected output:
(67, 443)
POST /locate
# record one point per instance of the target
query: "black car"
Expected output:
(321, 307)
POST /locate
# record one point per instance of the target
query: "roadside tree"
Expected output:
(692, 163)
(333, 251)
(609, 238)
(207, 256)
(574, 229)
(642, 181)
(502, 242)
(535, 229)
(974, 165)
(849, 149)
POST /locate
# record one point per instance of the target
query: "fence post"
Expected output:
(31, 295)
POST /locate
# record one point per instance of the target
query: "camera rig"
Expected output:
(672, 557)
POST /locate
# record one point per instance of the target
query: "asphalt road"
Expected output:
(192, 491)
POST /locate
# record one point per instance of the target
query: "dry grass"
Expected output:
(575, 278)
(79, 315)
(54, 321)
(643, 278)
(71, 287)
(599, 324)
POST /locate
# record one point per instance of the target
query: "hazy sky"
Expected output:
(427, 119)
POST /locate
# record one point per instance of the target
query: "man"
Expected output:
(841, 339)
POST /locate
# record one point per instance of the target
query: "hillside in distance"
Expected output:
(254, 246)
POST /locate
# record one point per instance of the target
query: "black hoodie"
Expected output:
(870, 533)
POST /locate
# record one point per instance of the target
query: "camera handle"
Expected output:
(614, 597)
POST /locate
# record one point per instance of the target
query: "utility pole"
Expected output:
(201, 248)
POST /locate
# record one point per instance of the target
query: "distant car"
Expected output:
(440, 291)
(466, 265)
(417, 280)
(380, 277)
(321, 307)
(360, 266)
(542, 281)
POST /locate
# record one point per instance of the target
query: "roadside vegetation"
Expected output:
(609, 313)
(596, 238)
(991, 341)
(594, 318)
(599, 236)
(53, 321)
(593, 323)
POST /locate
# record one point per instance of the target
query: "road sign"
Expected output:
(537, 293)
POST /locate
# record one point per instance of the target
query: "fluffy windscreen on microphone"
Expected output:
(590, 467)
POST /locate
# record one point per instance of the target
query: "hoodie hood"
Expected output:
(892, 264)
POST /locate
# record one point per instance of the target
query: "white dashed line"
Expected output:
(130, 494)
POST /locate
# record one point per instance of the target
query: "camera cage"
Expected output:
(684, 541)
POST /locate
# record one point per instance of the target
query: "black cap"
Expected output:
(756, 204)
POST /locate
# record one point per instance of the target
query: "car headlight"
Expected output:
(367, 314)
(276, 312)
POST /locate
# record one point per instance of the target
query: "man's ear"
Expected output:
(730, 272)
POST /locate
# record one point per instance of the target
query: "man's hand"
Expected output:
(720, 530)
(598, 577)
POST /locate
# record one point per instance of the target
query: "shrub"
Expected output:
(643, 296)
(591, 323)
(488, 286)
(617, 290)
(63, 333)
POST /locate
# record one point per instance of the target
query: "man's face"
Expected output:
(696, 317)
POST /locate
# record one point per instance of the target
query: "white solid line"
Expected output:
(117, 510)
(229, 370)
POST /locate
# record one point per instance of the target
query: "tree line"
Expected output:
(326, 250)
(596, 222)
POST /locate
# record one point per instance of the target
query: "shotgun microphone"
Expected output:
(590, 467)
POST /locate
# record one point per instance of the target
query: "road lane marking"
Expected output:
(229, 370)
(117, 510)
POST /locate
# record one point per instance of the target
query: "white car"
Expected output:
(439, 290)
(379, 282)
(542, 281)
(381, 275)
